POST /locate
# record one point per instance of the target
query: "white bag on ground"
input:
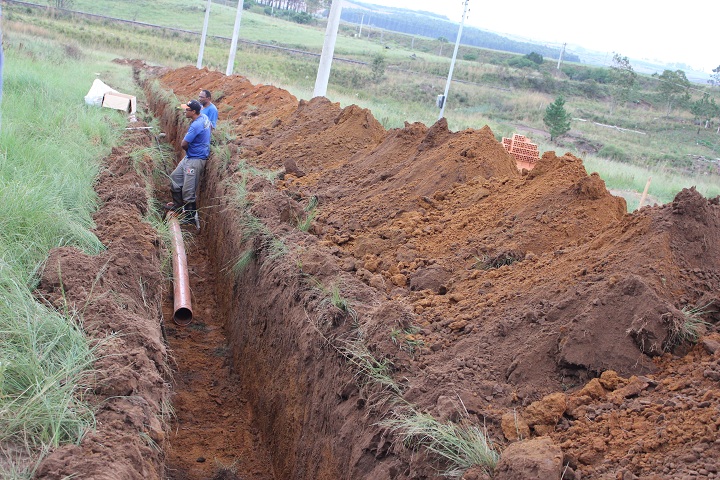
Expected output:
(97, 92)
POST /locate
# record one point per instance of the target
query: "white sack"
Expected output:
(97, 92)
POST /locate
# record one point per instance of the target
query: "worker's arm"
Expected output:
(185, 145)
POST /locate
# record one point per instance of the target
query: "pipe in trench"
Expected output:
(182, 312)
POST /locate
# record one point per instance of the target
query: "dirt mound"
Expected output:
(118, 296)
(515, 292)
(512, 285)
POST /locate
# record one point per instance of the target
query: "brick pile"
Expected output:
(525, 153)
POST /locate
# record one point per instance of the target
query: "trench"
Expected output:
(253, 390)
(259, 393)
(212, 434)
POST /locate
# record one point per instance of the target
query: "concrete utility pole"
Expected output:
(452, 62)
(328, 49)
(236, 34)
(204, 34)
(361, 24)
(562, 52)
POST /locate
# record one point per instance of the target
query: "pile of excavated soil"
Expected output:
(582, 338)
(118, 295)
(528, 296)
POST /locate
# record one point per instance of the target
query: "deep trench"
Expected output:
(212, 433)
(257, 393)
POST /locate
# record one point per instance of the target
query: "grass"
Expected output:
(44, 363)
(47, 195)
(310, 210)
(461, 445)
(368, 367)
(487, 262)
(688, 328)
(341, 303)
(243, 261)
(407, 339)
(502, 97)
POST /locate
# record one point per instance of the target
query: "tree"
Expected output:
(378, 68)
(623, 79)
(674, 87)
(535, 57)
(557, 119)
(705, 109)
(715, 77)
(442, 41)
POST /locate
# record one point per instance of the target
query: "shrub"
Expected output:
(535, 58)
(613, 153)
(521, 62)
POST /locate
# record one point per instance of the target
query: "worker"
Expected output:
(185, 179)
(208, 108)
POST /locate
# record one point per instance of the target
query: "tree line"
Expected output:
(672, 88)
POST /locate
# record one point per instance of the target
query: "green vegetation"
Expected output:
(340, 302)
(407, 339)
(310, 211)
(47, 195)
(243, 261)
(623, 79)
(332, 296)
(557, 119)
(687, 328)
(370, 368)
(488, 262)
(674, 87)
(461, 445)
(507, 99)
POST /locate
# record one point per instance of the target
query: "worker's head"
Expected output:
(192, 108)
(205, 97)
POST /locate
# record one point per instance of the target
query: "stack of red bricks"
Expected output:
(526, 154)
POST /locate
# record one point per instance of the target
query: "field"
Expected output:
(670, 148)
(374, 297)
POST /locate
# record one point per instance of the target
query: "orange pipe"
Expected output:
(182, 314)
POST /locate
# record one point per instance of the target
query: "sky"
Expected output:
(671, 32)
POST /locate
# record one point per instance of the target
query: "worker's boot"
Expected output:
(189, 213)
(176, 205)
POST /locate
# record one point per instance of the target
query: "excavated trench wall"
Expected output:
(285, 334)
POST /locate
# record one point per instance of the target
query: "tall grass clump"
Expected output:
(462, 446)
(42, 363)
(50, 147)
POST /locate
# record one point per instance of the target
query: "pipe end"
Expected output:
(183, 316)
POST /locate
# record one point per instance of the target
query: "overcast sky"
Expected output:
(684, 32)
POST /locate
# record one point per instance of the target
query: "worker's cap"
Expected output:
(192, 105)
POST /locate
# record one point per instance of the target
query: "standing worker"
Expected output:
(208, 108)
(185, 179)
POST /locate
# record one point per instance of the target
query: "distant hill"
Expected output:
(432, 25)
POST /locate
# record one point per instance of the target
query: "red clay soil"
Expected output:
(527, 303)
(212, 433)
(530, 296)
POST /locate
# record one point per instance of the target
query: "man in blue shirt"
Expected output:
(208, 108)
(185, 179)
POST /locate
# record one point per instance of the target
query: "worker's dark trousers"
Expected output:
(185, 180)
